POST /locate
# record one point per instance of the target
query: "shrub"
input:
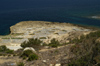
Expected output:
(24, 44)
(86, 50)
(33, 57)
(26, 53)
(3, 48)
(30, 55)
(24, 57)
(31, 43)
(14, 54)
(10, 51)
(19, 52)
(54, 43)
(20, 64)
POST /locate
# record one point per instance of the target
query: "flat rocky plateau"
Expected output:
(44, 31)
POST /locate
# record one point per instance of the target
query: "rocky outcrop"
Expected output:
(24, 26)
(53, 56)
(46, 31)
(30, 48)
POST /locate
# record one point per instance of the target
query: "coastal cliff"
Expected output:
(44, 31)
(22, 27)
(47, 30)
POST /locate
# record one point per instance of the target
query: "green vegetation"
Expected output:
(18, 52)
(86, 50)
(20, 64)
(30, 55)
(10, 51)
(35, 43)
(4, 50)
(54, 43)
(26, 53)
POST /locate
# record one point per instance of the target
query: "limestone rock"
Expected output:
(44, 61)
(58, 64)
(30, 48)
(24, 26)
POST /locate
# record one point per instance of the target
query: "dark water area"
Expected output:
(72, 11)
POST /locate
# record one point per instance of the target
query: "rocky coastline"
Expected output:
(42, 30)
(45, 31)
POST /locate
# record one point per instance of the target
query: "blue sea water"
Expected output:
(72, 11)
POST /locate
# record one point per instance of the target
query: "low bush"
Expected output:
(30, 55)
(5, 50)
(35, 43)
(20, 64)
(86, 50)
(10, 51)
(26, 53)
(54, 43)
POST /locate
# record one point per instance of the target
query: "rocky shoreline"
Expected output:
(42, 30)
(95, 17)
(45, 31)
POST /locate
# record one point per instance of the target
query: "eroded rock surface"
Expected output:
(45, 31)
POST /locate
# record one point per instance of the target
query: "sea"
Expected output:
(69, 11)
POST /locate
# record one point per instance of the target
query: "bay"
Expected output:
(72, 11)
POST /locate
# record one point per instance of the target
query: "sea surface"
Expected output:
(72, 11)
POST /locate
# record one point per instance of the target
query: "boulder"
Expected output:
(58, 64)
(30, 48)
(44, 61)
